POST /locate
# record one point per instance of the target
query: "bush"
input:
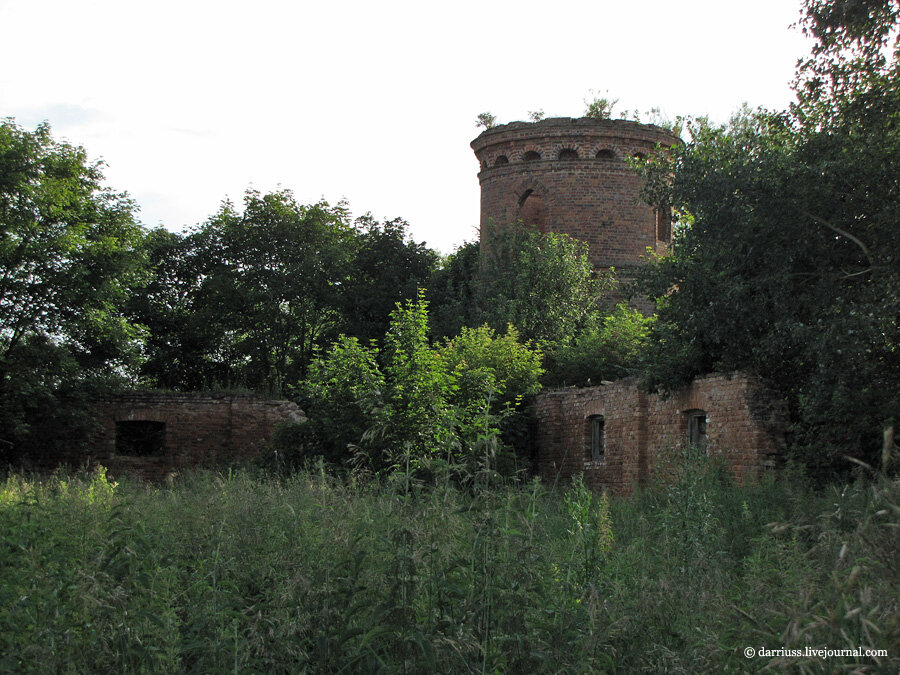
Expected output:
(609, 351)
(421, 403)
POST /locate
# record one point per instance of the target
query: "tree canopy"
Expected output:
(785, 259)
(542, 284)
(248, 298)
(69, 255)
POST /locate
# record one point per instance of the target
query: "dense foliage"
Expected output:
(413, 404)
(252, 298)
(543, 284)
(422, 557)
(386, 268)
(783, 264)
(785, 261)
(217, 573)
(612, 347)
(247, 298)
(69, 256)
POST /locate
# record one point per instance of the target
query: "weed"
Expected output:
(310, 573)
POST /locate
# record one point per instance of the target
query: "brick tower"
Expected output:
(571, 176)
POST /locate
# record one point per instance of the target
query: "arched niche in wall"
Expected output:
(533, 211)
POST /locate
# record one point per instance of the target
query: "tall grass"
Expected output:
(238, 572)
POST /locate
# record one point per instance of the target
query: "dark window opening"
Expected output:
(501, 160)
(606, 153)
(568, 153)
(533, 211)
(595, 447)
(531, 156)
(697, 423)
(141, 439)
(640, 155)
(664, 224)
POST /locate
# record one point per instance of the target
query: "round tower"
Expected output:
(572, 176)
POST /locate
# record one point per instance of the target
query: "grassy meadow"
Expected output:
(240, 572)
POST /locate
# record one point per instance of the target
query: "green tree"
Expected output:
(386, 268)
(488, 366)
(493, 375)
(784, 262)
(69, 253)
(342, 395)
(185, 332)
(543, 284)
(422, 403)
(452, 290)
(278, 283)
(247, 298)
(416, 418)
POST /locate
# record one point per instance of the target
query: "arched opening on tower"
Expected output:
(531, 156)
(606, 153)
(568, 153)
(533, 211)
(501, 160)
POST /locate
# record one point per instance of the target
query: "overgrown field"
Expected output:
(240, 573)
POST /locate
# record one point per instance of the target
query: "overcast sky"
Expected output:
(193, 101)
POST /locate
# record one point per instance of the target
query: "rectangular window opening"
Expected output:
(697, 422)
(664, 224)
(141, 438)
(597, 435)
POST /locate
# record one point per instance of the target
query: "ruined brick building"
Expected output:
(572, 176)
(618, 436)
(151, 434)
(558, 175)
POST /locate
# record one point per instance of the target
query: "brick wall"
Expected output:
(200, 430)
(594, 196)
(746, 424)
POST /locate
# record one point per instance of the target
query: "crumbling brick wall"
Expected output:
(745, 424)
(197, 430)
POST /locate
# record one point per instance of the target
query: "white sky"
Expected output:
(193, 101)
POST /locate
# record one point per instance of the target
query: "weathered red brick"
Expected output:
(200, 431)
(593, 197)
(643, 431)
